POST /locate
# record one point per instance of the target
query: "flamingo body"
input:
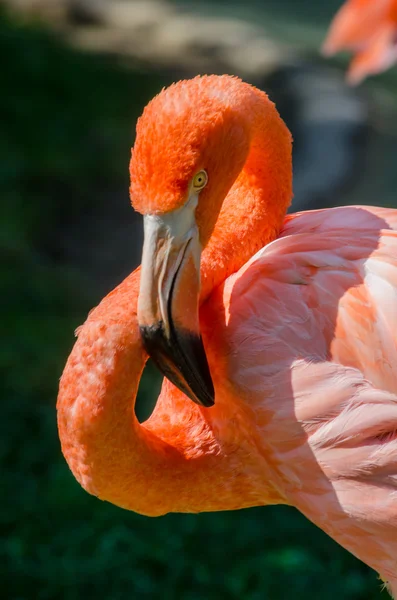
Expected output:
(298, 320)
(308, 329)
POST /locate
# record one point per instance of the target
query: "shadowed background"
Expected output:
(74, 78)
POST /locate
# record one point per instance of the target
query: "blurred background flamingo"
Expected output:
(368, 28)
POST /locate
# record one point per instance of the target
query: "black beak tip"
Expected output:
(182, 360)
(207, 396)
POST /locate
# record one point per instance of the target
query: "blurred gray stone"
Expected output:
(330, 123)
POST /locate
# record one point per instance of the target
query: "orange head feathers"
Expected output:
(191, 126)
(209, 123)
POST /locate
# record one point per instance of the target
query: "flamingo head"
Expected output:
(192, 142)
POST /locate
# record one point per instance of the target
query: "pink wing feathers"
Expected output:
(309, 336)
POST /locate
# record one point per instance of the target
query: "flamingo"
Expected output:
(368, 28)
(276, 335)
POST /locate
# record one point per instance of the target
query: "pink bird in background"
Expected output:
(368, 28)
(277, 336)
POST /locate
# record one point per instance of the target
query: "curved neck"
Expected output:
(254, 209)
(154, 468)
(176, 461)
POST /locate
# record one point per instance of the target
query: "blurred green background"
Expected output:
(67, 236)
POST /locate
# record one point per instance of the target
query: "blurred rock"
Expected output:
(330, 124)
(154, 32)
(51, 11)
(137, 15)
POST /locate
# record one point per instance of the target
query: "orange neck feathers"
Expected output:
(254, 209)
(177, 461)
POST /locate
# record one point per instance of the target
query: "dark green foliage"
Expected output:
(66, 127)
(67, 122)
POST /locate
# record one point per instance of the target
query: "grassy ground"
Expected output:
(66, 119)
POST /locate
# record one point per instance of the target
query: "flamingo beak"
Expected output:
(168, 303)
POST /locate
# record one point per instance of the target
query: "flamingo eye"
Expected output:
(200, 180)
